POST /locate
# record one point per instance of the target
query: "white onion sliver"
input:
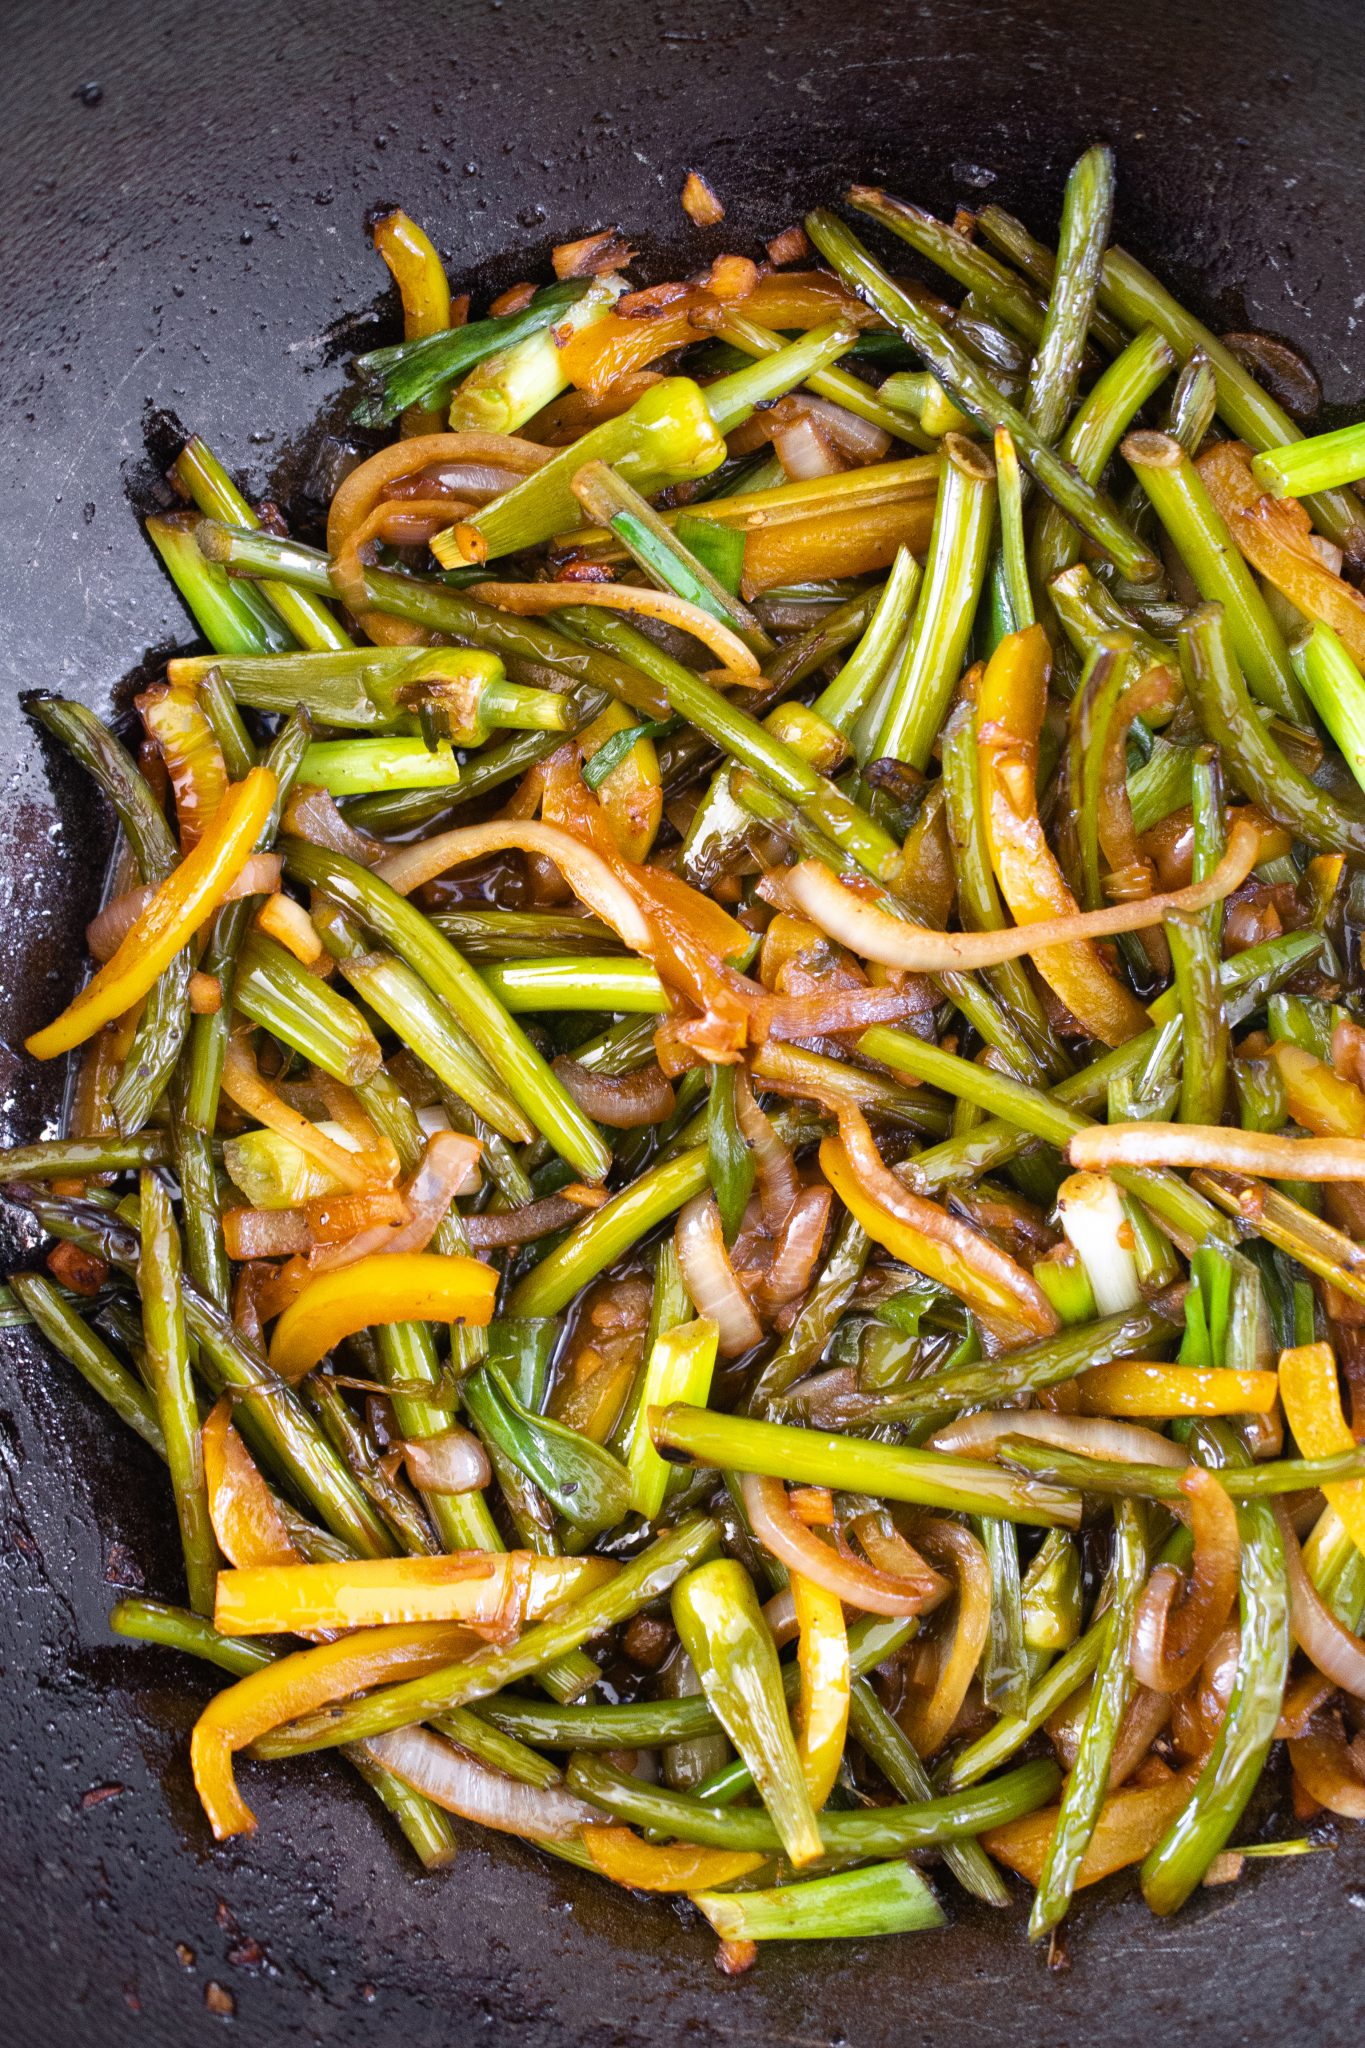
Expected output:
(804, 451)
(459, 1784)
(710, 1278)
(1091, 1436)
(587, 874)
(105, 933)
(452, 1462)
(1337, 1654)
(856, 437)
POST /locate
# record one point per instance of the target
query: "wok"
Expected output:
(186, 189)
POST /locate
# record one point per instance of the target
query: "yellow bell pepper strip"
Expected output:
(249, 1527)
(626, 1858)
(826, 1678)
(937, 1261)
(1318, 1097)
(297, 1685)
(1133, 1387)
(1312, 1403)
(387, 1287)
(420, 276)
(491, 1591)
(1011, 699)
(190, 893)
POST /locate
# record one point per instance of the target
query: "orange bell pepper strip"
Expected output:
(1312, 1403)
(1131, 1822)
(493, 1592)
(387, 1287)
(1136, 1388)
(1276, 537)
(826, 1677)
(1319, 1097)
(297, 1685)
(1011, 699)
(914, 1247)
(190, 893)
(624, 1857)
(853, 542)
(248, 1525)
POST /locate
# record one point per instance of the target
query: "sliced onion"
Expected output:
(858, 438)
(797, 1248)
(1338, 1654)
(1090, 1436)
(1323, 1765)
(929, 1723)
(835, 1010)
(804, 450)
(847, 1577)
(1148, 1712)
(623, 1102)
(449, 1167)
(455, 1781)
(534, 598)
(473, 479)
(710, 1278)
(1190, 1145)
(103, 935)
(1283, 371)
(1173, 1631)
(774, 1166)
(875, 935)
(521, 1226)
(452, 1462)
(312, 814)
(244, 1085)
(780, 1615)
(587, 874)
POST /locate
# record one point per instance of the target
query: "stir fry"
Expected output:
(719, 1129)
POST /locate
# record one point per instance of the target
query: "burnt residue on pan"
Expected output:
(186, 196)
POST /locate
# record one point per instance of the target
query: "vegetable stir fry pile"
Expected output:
(720, 1125)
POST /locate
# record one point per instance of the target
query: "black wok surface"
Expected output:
(185, 194)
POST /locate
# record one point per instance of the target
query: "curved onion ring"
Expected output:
(103, 935)
(874, 935)
(930, 1722)
(797, 1249)
(775, 1168)
(449, 1167)
(710, 1278)
(453, 1780)
(531, 599)
(1232, 1151)
(623, 1102)
(1173, 1632)
(587, 874)
(1338, 1654)
(363, 489)
(1090, 1436)
(1322, 1764)
(847, 1577)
